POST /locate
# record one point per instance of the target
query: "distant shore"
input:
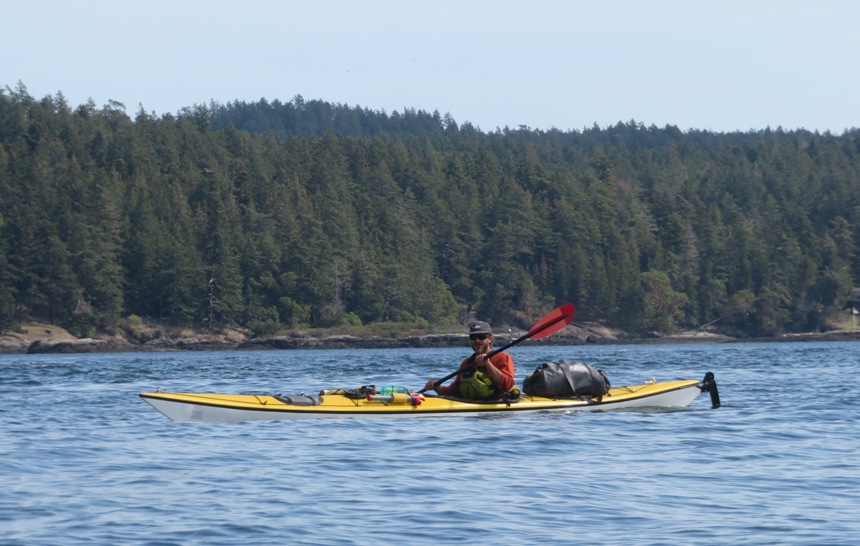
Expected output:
(43, 338)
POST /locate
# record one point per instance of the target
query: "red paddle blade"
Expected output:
(552, 322)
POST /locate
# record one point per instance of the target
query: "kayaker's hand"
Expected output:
(430, 386)
(481, 362)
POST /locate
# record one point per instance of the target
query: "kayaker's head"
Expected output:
(480, 336)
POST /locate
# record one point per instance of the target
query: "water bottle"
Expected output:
(393, 390)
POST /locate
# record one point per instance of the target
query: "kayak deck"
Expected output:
(201, 407)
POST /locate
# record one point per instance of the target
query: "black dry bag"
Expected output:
(564, 379)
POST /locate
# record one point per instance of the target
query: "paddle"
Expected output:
(551, 323)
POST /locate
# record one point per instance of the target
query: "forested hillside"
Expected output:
(311, 214)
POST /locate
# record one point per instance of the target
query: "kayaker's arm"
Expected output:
(446, 390)
(454, 388)
(499, 368)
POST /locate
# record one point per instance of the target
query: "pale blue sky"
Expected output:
(720, 65)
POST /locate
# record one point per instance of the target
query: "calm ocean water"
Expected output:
(83, 460)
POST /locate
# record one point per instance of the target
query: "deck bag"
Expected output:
(562, 379)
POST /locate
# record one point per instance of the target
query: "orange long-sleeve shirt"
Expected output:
(502, 361)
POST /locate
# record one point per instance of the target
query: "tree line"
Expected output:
(309, 214)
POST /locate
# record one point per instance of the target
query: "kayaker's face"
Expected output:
(481, 343)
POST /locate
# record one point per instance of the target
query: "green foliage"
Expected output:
(80, 324)
(134, 324)
(307, 215)
(348, 319)
(264, 329)
(663, 307)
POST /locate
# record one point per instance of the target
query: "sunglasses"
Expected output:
(479, 337)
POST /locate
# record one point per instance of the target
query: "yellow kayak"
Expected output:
(398, 401)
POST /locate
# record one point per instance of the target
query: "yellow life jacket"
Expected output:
(474, 385)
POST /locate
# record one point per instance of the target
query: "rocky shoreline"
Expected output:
(43, 339)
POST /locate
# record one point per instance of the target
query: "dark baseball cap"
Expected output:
(479, 327)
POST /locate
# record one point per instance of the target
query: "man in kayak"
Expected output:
(483, 377)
